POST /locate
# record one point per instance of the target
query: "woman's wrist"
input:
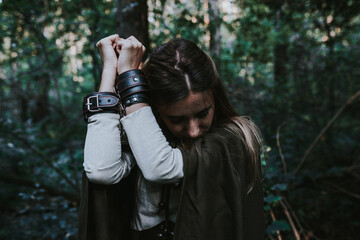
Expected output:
(135, 107)
(121, 70)
(107, 79)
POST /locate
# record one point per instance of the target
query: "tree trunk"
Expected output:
(215, 34)
(132, 19)
(94, 28)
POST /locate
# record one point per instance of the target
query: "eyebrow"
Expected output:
(204, 111)
(197, 114)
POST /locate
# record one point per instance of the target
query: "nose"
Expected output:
(193, 130)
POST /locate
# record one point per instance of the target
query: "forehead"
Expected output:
(193, 104)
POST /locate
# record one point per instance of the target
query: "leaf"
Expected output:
(277, 226)
(271, 198)
(279, 186)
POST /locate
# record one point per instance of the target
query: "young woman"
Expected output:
(192, 168)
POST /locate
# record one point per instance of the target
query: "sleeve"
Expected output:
(157, 160)
(104, 161)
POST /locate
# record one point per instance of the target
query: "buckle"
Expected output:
(88, 104)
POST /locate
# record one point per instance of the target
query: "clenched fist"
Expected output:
(130, 52)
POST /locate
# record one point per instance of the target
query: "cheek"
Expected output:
(207, 122)
(175, 129)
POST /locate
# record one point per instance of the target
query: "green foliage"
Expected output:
(277, 226)
(288, 64)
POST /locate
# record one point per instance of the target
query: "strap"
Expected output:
(100, 102)
(135, 98)
(166, 229)
(132, 87)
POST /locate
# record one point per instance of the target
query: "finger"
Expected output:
(108, 40)
(133, 39)
(141, 65)
(143, 49)
(126, 44)
(112, 37)
(117, 38)
(121, 45)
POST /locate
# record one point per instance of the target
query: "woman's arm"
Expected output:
(156, 159)
(104, 161)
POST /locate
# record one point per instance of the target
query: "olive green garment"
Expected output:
(214, 204)
(105, 210)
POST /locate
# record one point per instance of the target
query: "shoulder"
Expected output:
(218, 148)
(224, 135)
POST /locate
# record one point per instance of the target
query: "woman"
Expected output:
(192, 170)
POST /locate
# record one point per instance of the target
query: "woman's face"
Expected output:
(191, 117)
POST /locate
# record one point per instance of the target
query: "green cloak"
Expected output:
(214, 203)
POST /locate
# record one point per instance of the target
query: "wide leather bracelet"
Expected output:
(129, 83)
(100, 102)
(135, 98)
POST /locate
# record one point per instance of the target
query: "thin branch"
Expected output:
(292, 213)
(328, 125)
(279, 146)
(288, 216)
(351, 171)
(272, 214)
(351, 194)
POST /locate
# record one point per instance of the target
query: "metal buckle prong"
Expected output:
(88, 103)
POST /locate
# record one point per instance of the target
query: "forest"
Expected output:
(292, 66)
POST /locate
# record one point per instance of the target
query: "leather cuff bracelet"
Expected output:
(135, 98)
(100, 102)
(130, 83)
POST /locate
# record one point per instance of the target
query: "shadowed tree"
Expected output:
(132, 19)
(215, 34)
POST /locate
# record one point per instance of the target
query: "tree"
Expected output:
(215, 31)
(132, 19)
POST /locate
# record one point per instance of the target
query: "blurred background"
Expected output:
(292, 66)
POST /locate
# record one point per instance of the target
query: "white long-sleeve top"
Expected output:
(105, 163)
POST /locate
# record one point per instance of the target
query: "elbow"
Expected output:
(161, 175)
(101, 177)
(168, 169)
(153, 176)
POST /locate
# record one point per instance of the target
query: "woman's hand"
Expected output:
(108, 56)
(130, 52)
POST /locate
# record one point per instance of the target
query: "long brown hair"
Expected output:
(178, 67)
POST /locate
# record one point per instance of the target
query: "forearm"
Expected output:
(107, 79)
(104, 161)
(135, 107)
(156, 159)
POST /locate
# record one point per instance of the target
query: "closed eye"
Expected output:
(181, 119)
(203, 113)
(176, 120)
